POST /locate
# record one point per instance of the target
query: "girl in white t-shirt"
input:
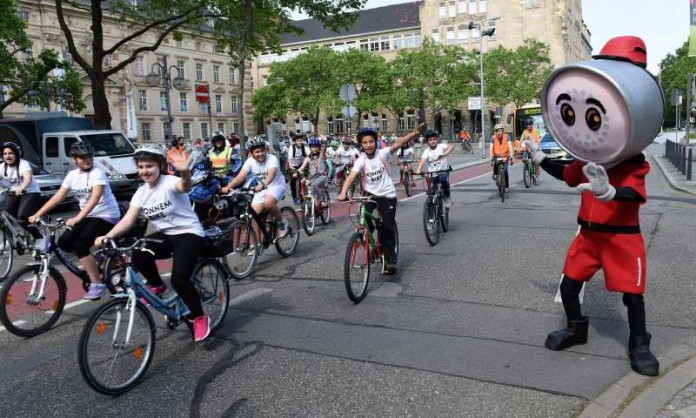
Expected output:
(98, 212)
(163, 199)
(25, 194)
(405, 154)
(377, 183)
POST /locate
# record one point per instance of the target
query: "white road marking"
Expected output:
(252, 294)
(454, 184)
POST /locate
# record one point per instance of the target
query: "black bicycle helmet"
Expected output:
(429, 134)
(528, 121)
(81, 149)
(362, 132)
(15, 149)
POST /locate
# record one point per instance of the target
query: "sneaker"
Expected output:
(201, 328)
(390, 269)
(448, 202)
(155, 290)
(296, 201)
(96, 290)
(507, 190)
(495, 177)
(282, 229)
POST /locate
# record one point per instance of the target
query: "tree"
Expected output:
(248, 27)
(674, 74)
(164, 17)
(18, 75)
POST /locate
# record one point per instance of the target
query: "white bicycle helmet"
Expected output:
(149, 151)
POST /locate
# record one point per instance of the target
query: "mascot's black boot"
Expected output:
(574, 334)
(642, 360)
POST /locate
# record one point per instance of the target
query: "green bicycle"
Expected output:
(529, 170)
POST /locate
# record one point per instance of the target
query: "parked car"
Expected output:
(550, 147)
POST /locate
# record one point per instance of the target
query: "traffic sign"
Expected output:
(349, 111)
(474, 103)
(202, 94)
(347, 92)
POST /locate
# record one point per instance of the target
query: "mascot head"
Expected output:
(605, 110)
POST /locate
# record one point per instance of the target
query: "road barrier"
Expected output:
(680, 156)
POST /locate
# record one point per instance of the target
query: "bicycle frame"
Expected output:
(364, 219)
(18, 235)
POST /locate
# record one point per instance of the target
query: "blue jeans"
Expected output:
(443, 179)
(505, 169)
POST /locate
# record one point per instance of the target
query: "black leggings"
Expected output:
(570, 291)
(185, 250)
(387, 231)
(81, 237)
(22, 207)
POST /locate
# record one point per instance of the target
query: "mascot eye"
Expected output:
(593, 119)
(568, 114)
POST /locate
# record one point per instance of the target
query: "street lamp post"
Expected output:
(153, 80)
(488, 32)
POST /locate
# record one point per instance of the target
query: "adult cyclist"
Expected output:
(377, 183)
(530, 134)
(501, 147)
(221, 156)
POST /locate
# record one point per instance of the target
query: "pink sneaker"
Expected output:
(201, 328)
(155, 290)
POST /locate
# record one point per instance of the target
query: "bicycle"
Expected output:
(407, 176)
(245, 243)
(364, 248)
(117, 344)
(500, 180)
(313, 206)
(435, 212)
(529, 170)
(466, 146)
(13, 238)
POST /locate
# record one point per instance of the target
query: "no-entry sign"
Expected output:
(202, 94)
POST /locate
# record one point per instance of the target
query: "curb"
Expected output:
(670, 178)
(637, 396)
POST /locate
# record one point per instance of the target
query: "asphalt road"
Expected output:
(458, 332)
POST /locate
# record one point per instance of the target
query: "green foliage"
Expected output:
(674, 74)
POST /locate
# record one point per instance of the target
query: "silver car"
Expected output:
(550, 147)
(49, 184)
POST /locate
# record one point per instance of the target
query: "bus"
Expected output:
(520, 114)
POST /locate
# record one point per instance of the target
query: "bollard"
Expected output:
(683, 160)
(688, 167)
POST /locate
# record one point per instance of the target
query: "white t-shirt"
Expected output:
(14, 176)
(82, 182)
(168, 210)
(330, 152)
(347, 156)
(376, 178)
(405, 154)
(260, 169)
(430, 155)
(296, 155)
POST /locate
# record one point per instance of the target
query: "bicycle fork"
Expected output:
(39, 281)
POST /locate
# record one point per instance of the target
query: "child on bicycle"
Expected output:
(270, 188)
(316, 163)
(345, 156)
(25, 194)
(98, 212)
(296, 156)
(163, 199)
(405, 155)
(436, 157)
(377, 183)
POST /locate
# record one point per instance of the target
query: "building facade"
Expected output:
(138, 110)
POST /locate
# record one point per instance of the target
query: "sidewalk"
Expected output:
(672, 394)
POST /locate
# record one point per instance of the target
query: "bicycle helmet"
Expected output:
(15, 149)
(81, 149)
(335, 144)
(315, 142)
(150, 152)
(429, 134)
(528, 122)
(498, 126)
(362, 132)
(256, 142)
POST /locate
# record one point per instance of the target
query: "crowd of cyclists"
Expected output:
(364, 159)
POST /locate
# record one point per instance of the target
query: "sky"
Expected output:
(663, 24)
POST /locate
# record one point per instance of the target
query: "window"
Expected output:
(139, 65)
(384, 123)
(221, 126)
(183, 102)
(179, 43)
(463, 34)
(442, 11)
(235, 127)
(163, 101)
(482, 6)
(532, 3)
(475, 34)
(374, 44)
(233, 104)
(199, 72)
(384, 43)
(52, 146)
(2, 93)
(329, 125)
(216, 73)
(187, 130)
(397, 41)
(350, 44)
(462, 6)
(24, 15)
(218, 49)
(408, 40)
(147, 133)
(473, 7)
(109, 60)
(363, 44)
(28, 53)
(416, 40)
(435, 34)
(450, 35)
(182, 69)
(204, 130)
(218, 103)
(411, 120)
(452, 9)
(142, 99)
(233, 76)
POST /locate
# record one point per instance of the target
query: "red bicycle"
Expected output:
(314, 206)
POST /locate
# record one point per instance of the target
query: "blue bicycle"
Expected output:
(118, 341)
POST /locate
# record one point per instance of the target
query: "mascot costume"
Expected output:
(605, 112)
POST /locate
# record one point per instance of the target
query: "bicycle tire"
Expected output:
(526, 173)
(357, 260)
(503, 185)
(468, 148)
(287, 245)
(308, 217)
(444, 217)
(99, 340)
(432, 229)
(214, 290)
(326, 210)
(407, 183)
(242, 261)
(28, 319)
(6, 253)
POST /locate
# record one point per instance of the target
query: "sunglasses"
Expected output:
(499, 130)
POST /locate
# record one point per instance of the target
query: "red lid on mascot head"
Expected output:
(625, 48)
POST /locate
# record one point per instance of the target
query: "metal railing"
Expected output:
(681, 156)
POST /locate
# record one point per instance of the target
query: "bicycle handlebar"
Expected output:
(140, 244)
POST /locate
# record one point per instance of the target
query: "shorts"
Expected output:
(278, 192)
(621, 256)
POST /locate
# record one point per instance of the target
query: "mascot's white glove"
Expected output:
(599, 182)
(537, 155)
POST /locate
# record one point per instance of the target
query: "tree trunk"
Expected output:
(102, 115)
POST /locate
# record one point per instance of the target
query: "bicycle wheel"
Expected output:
(469, 148)
(210, 280)
(407, 183)
(503, 185)
(308, 217)
(242, 261)
(288, 244)
(444, 216)
(431, 224)
(6, 253)
(108, 363)
(356, 267)
(527, 174)
(326, 209)
(22, 312)
(396, 240)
